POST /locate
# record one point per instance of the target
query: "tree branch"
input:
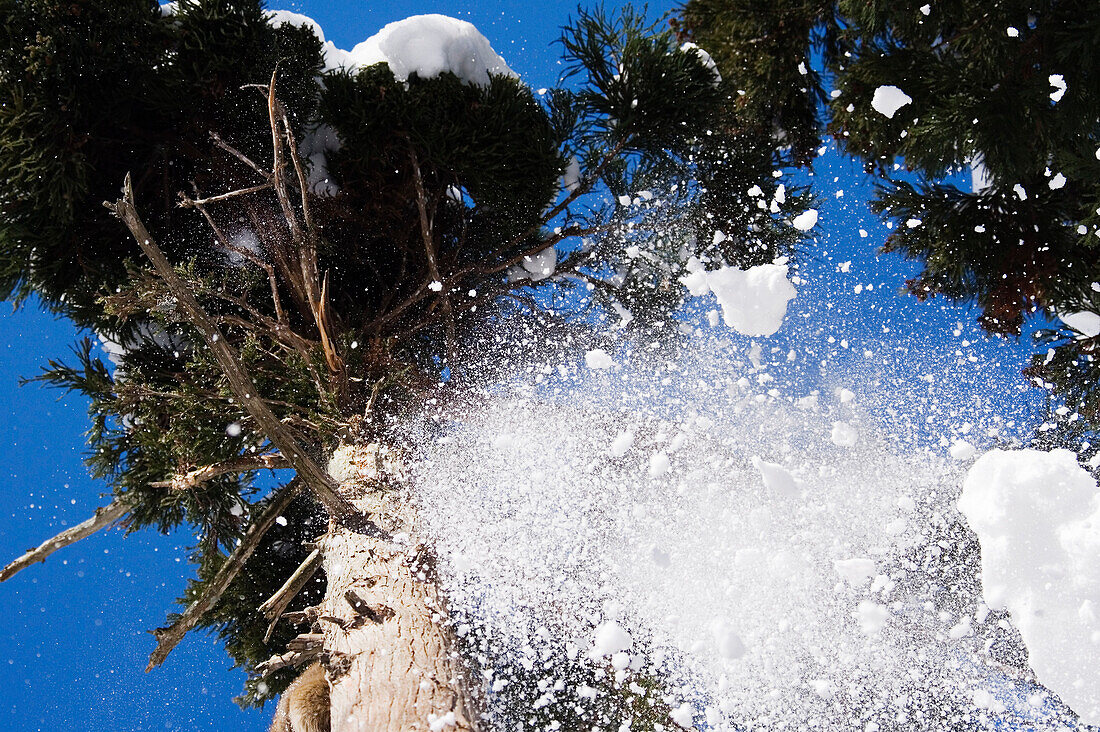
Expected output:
(167, 638)
(241, 464)
(274, 606)
(290, 658)
(104, 517)
(323, 486)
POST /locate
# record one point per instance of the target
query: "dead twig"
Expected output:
(104, 517)
(245, 463)
(167, 638)
(274, 606)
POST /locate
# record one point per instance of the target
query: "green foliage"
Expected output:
(235, 619)
(979, 96)
(983, 81)
(759, 48)
(92, 90)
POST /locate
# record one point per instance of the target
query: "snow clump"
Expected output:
(1037, 516)
(805, 220)
(754, 301)
(888, 100)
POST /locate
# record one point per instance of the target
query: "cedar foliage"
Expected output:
(980, 76)
(441, 213)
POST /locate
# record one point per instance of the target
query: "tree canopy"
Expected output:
(1007, 91)
(326, 241)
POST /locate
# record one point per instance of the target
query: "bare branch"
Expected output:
(167, 638)
(241, 384)
(188, 203)
(245, 463)
(239, 155)
(104, 517)
(299, 170)
(285, 660)
(274, 606)
(429, 249)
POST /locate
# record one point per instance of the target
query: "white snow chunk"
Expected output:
(1012, 32)
(855, 571)
(438, 723)
(802, 68)
(610, 638)
(872, 616)
(1059, 84)
(705, 57)
(1056, 182)
(659, 464)
(1037, 516)
(776, 477)
(435, 286)
(961, 450)
(845, 395)
(571, 176)
(844, 435)
(623, 442)
(683, 715)
(805, 220)
(727, 642)
(598, 358)
(427, 45)
(696, 282)
(1084, 322)
(753, 301)
(925, 9)
(541, 265)
(1020, 192)
(887, 100)
(980, 178)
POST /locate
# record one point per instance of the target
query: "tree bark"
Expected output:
(390, 649)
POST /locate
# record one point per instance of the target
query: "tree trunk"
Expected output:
(393, 657)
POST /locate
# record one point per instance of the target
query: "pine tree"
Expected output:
(1008, 90)
(275, 301)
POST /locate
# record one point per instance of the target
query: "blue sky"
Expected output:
(75, 644)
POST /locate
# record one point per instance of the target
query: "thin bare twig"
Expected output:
(167, 638)
(188, 203)
(104, 517)
(429, 249)
(239, 155)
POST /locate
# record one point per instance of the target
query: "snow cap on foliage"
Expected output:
(428, 45)
(1086, 323)
(705, 57)
(1037, 516)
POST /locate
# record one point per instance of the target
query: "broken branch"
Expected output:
(240, 382)
(275, 605)
(167, 638)
(104, 517)
(197, 477)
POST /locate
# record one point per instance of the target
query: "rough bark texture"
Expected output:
(392, 658)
